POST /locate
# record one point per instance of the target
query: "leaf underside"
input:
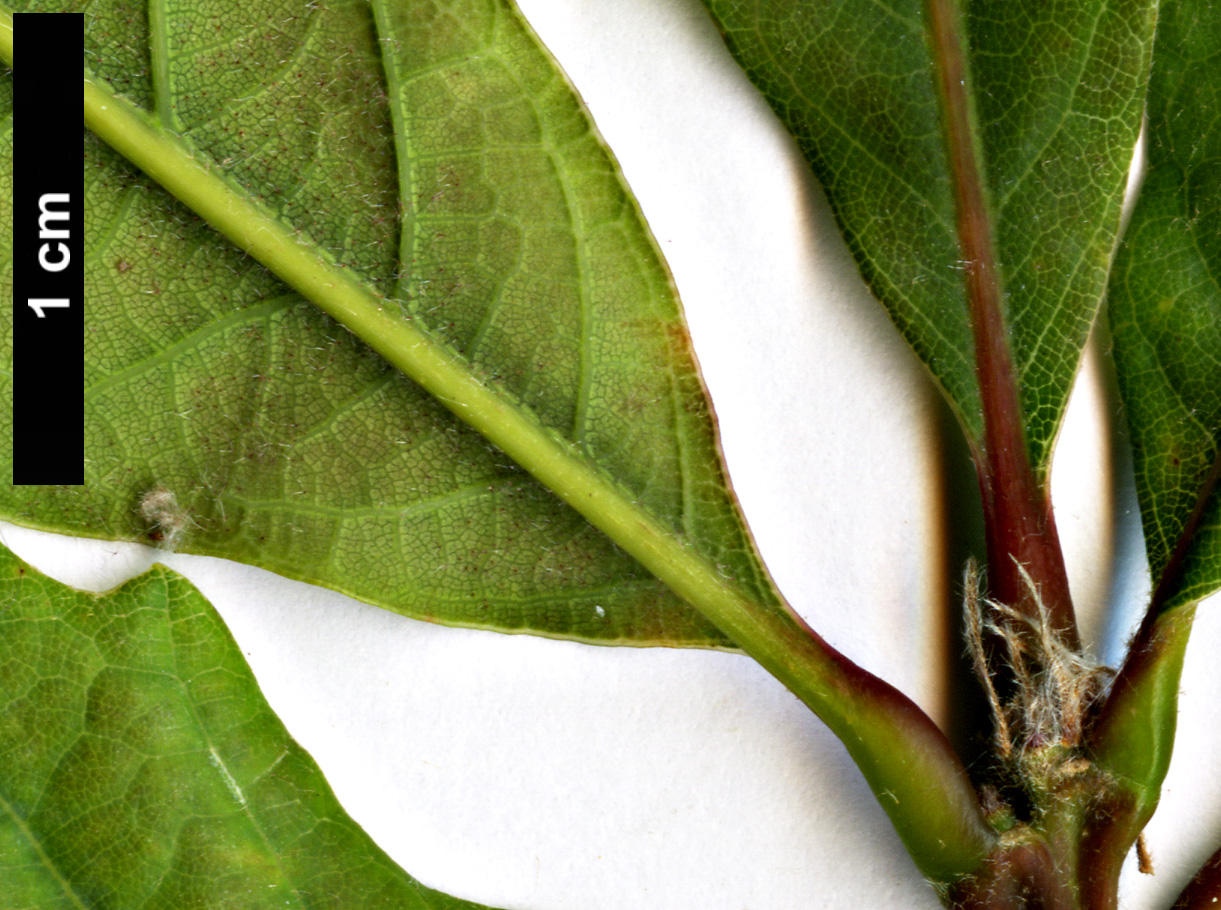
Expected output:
(1057, 90)
(436, 150)
(1165, 309)
(141, 767)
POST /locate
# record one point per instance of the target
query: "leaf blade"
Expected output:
(560, 465)
(855, 81)
(650, 425)
(1165, 314)
(143, 767)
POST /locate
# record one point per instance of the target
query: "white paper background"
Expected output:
(526, 773)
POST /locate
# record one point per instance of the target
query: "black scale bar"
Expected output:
(48, 256)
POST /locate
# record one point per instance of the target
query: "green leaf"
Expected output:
(611, 300)
(141, 767)
(1164, 305)
(1053, 98)
(437, 155)
(1165, 311)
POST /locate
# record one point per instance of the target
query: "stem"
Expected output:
(1133, 735)
(1131, 741)
(1134, 732)
(1203, 892)
(1015, 878)
(1020, 528)
(908, 762)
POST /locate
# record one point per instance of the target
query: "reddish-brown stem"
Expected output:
(1021, 531)
(1111, 826)
(1204, 891)
(1021, 877)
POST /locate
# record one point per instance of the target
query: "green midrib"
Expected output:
(552, 460)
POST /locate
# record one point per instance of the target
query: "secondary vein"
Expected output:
(159, 49)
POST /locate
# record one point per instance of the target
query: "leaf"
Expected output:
(1165, 311)
(1165, 314)
(438, 155)
(1053, 97)
(904, 756)
(141, 767)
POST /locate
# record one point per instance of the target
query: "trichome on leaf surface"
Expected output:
(371, 306)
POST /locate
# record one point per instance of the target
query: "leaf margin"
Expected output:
(155, 594)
